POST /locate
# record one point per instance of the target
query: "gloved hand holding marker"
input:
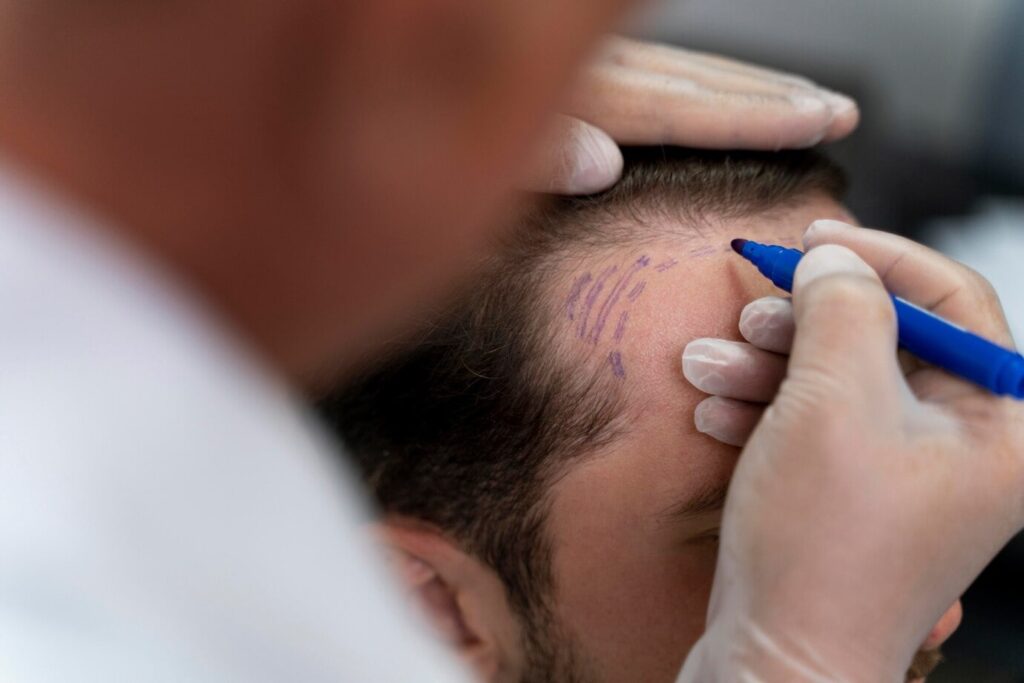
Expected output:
(922, 333)
(911, 464)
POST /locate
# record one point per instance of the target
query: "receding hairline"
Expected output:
(666, 195)
(664, 188)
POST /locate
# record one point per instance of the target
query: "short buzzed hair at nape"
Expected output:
(465, 428)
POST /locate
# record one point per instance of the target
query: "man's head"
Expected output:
(541, 481)
(284, 154)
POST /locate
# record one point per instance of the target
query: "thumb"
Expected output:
(578, 158)
(846, 333)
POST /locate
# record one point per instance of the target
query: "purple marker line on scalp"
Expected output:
(588, 303)
(620, 328)
(618, 369)
(635, 293)
(671, 263)
(703, 251)
(613, 297)
(575, 293)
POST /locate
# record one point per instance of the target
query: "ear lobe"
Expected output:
(462, 599)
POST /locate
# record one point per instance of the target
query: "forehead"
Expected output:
(632, 307)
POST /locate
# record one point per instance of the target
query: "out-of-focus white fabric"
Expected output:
(167, 511)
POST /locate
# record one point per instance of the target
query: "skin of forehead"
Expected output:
(670, 291)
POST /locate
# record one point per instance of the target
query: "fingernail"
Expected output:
(829, 259)
(705, 419)
(808, 104)
(704, 361)
(822, 226)
(710, 419)
(768, 314)
(814, 139)
(597, 162)
(839, 104)
(817, 108)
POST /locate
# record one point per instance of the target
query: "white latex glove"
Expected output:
(646, 94)
(864, 502)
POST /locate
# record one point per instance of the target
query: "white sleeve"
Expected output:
(166, 512)
(140, 543)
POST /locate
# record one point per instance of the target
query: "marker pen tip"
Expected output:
(738, 244)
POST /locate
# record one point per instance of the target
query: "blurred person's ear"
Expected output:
(463, 599)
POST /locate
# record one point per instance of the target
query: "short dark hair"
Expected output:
(465, 429)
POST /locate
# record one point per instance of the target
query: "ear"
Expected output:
(462, 598)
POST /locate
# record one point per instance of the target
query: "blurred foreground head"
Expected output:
(312, 167)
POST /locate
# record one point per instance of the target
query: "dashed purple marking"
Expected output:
(671, 263)
(704, 251)
(574, 294)
(618, 369)
(613, 297)
(637, 290)
(620, 328)
(595, 291)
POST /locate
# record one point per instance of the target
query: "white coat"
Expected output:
(168, 512)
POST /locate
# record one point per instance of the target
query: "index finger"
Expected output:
(643, 108)
(724, 75)
(922, 276)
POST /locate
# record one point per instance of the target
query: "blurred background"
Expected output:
(939, 156)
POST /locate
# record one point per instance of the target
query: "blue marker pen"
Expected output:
(922, 333)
